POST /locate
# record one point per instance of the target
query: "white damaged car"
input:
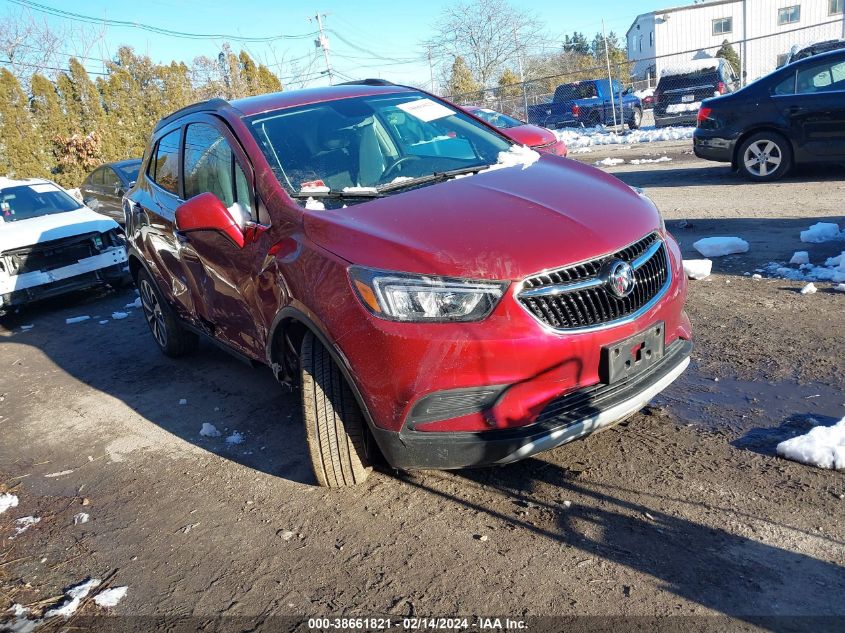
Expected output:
(50, 243)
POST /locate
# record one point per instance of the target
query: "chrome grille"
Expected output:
(577, 297)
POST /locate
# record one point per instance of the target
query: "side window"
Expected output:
(97, 177)
(164, 166)
(816, 78)
(210, 165)
(110, 178)
(837, 72)
(785, 87)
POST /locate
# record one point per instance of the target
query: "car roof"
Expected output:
(124, 163)
(15, 182)
(250, 106)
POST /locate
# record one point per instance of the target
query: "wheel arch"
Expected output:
(755, 130)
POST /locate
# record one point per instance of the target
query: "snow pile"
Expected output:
(372, 190)
(314, 205)
(822, 446)
(110, 597)
(73, 598)
(809, 289)
(800, 257)
(581, 150)
(134, 304)
(609, 162)
(720, 246)
(645, 161)
(8, 501)
(81, 517)
(76, 194)
(25, 328)
(840, 288)
(516, 156)
(119, 315)
(642, 94)
(679, 108)
(822, 232)
(24, 523)
(691, 66)
(209, 430)
(235, 438)
(832, 270)
(576, 138)
(78, 319)
(697, 268)
(183, 401)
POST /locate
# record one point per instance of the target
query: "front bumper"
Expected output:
(576, 415)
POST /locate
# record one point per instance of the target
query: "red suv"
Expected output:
(442, 296)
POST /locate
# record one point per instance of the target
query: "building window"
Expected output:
(641, 43)
(722, 26)
(837, 6)
(651, 37)
(789, 15)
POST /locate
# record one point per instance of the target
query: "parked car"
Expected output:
(794, 115)
(646, 97)
(532, 136)
(798, 53)
(682, 88)
(588, 103)
(439, 294)
(104, 188)
(51, 244)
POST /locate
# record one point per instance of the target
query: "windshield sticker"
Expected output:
(43, 188)
(425, 109)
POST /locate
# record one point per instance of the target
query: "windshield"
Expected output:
(370, 142)
(30, 201)
(129, 170)
(497, 119)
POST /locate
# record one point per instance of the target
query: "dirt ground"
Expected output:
(683, 510)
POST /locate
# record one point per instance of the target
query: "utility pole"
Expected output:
(430, 69)
(609, 76)
(521, 75)
(323, 42)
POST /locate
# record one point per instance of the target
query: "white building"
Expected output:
(761, 31)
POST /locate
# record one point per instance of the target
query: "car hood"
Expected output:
(502, 224)
(46, 228)
(530, 135)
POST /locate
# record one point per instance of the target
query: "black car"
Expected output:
(797, 54)
(103, 190)
(681, 89)
(794, 115)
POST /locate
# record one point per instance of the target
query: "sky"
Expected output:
(367, 38)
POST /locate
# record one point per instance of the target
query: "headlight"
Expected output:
(406, 297)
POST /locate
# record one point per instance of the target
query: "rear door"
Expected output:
(110, 195)
(815, 112)
(222, 275)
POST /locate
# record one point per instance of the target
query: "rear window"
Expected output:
(707, 77)
(129, 170)
(30, 201)
(571, 92)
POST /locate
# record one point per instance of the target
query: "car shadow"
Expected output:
(764, 440)
(724, 572)
(120, 358)
(718, 175)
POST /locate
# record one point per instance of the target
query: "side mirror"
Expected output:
(206, 212)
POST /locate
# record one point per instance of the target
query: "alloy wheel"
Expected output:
(762, 158)
(153, 313)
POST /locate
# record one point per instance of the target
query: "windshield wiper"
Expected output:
(435, 177)
(338, 195)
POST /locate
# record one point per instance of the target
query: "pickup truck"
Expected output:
(587, 103)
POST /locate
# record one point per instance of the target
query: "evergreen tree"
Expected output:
(20, 144)
(461, 81)
(728, 52)
(576, 44)
(509, 84)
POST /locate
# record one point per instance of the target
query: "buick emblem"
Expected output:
(620, 278)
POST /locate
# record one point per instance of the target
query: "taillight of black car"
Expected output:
(703, 115)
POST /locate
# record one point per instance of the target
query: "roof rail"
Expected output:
(202, 106)
(367, 82)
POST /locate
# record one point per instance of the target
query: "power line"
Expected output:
(78, 17)
(42, 67)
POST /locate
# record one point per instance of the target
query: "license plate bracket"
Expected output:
(633, 355)
(688, 98)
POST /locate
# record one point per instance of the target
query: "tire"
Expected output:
(172, 339)
(636, 119)
(764, 156)
(334, 424)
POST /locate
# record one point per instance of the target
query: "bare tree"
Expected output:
(488, 34)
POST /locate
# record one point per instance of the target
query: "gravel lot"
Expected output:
(683, 510)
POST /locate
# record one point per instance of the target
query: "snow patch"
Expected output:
(60, 473)
(314, 205)
(134, 304)
(235, 438)
(209, 430)
(809, 289)
(183, 401)
(23, 524)
(110, 597)
(645, 161)
(839, 288)
(822, 232)
(609, 162)
(360, 190)
(78, 319)
(516, 156)
(81, 517)
(73, 598)
(800, 257)
(720, 246)
(8, 501)
(117, 316)
(822, 446)
(697, 268)
(576, 138)
(679, 108)
(25, 328)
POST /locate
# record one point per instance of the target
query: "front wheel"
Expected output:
(636, 119)
(764, 157)
(334, 424)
